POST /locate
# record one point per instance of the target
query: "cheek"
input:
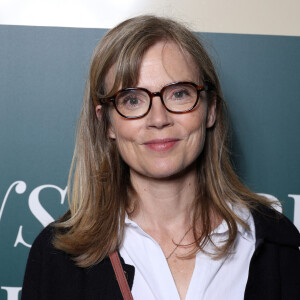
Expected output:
(196, 133)
(196, 139)
(124, 144)
(125, 136)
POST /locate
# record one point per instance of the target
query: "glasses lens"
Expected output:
(132, 103)
(180, 97)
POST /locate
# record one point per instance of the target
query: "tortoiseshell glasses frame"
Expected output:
(185, 96)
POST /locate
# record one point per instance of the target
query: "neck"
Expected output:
(163, 204)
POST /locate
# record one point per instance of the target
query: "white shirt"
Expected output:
(225, 278)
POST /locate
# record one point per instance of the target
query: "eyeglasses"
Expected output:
(177, 98)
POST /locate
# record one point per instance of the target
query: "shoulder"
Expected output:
(44, 239)
(45, 267)
(52, 274)
(43, 247)
(275, 266)
(274, 227)
(44, 257)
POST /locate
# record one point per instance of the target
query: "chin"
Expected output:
(164, 175)
(167, 172)
(163, 169)
(156, 172)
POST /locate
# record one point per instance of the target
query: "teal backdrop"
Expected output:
(42, 77)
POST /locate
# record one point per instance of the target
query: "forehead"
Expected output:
(162, 63)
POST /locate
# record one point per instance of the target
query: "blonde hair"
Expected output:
(99, 180)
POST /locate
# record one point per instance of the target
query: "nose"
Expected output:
(158, 117)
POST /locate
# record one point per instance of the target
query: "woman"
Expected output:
(151, 179)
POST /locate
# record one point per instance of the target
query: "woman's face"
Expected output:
(162, 144)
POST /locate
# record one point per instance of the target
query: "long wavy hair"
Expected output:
(99, 180)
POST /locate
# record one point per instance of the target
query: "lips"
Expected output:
(161, 144)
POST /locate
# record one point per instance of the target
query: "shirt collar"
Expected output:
(242, 212)
(130, 222)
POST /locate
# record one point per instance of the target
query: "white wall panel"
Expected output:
(275, 17)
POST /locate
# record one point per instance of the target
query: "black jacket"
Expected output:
(274, 271)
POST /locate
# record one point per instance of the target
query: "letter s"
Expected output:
(37, 209)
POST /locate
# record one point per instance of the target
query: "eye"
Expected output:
(181, 93)
(130, 100)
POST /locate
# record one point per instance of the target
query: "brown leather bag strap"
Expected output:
(123, 284)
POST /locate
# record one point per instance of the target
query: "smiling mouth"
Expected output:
(161, 144)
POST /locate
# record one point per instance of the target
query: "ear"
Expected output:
(211, 113)
(98, 111)
(111, 132)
